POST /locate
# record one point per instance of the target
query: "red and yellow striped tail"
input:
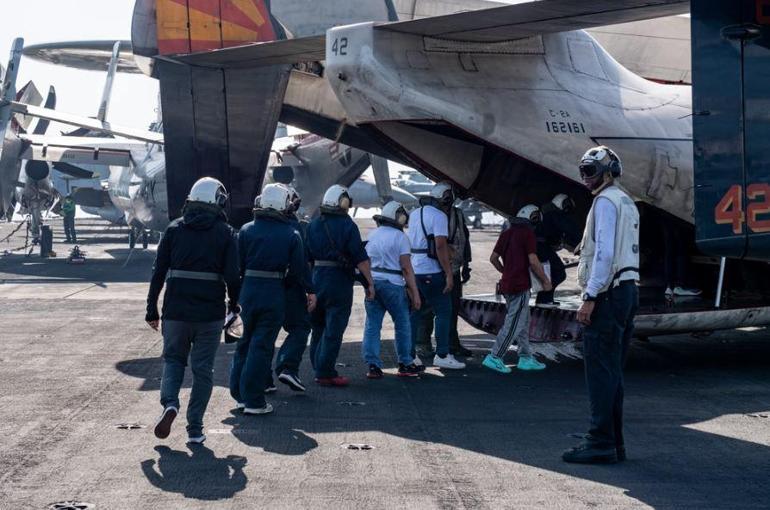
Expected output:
(188, 26)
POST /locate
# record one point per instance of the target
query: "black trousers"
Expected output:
(605, 345)
(425, 330)
(558, 273)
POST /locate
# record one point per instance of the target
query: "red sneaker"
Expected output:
(338, 381)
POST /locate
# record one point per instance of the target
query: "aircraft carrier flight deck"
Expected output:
(79, 383)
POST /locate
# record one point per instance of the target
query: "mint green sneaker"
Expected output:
(496, 364)
(530, 364)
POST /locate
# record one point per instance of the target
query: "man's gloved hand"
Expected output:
(465, 275)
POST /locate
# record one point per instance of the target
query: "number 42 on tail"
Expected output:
(729, 210)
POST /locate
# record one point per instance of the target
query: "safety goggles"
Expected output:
(588, 170)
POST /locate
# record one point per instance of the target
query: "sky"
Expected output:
(134, 97)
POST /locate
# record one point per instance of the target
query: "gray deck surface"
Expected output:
(77, 360)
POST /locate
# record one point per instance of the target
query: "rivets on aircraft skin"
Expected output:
(357, 446)
(351, 403)
(758, 415)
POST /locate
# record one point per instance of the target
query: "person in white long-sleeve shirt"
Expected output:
(608, 273)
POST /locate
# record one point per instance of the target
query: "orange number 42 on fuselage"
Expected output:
(729, 210)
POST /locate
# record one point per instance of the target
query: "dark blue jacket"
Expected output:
(301, 227)
(335, 237)
(271, 243)
(200, 241)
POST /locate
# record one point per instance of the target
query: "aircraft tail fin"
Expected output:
(8, 91)
(104, 106)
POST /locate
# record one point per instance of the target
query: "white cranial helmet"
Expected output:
(393, 212)
(530, 212)
(208, 191)
(276, 197)
(443, 192)
(563, 202)
(337, 197)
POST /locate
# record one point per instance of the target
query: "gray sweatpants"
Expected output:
(516, 327)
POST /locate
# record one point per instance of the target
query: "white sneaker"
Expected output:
(418, 361)
(448, 362)
(197, 440)
(258, 410)
(681, 291)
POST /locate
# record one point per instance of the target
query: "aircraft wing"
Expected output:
(84, 122)
(79, 150)
(497, 24)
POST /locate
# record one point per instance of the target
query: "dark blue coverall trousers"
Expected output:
(266, 244)
(332, 238)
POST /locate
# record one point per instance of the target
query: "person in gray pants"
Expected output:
(199, 257)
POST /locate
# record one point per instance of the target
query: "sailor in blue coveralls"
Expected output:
(271, 253)
(335, 246)
(300, 297)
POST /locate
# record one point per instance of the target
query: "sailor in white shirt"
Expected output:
(390, 255)
(607, 273)
(428, 233)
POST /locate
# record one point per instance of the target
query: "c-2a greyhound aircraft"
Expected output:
(501, 102)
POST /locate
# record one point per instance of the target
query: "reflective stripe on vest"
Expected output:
(195, 275)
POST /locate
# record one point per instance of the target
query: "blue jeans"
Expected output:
(197, 341)
(330, 319)
(391, 298)
(431, 287)
(297, 325)
(605, 345)
(262, 303)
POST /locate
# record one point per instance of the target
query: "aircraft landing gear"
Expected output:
(145, 239)
(132, 238)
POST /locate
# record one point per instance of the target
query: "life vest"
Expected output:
(625, 259)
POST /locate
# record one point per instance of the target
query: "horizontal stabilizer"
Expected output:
(496, 24)
(541, 17)
(93, 124)
(289, 51)
(73, 171)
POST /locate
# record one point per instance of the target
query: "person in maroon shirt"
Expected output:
(514, 255)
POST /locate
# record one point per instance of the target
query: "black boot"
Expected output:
(588, 453)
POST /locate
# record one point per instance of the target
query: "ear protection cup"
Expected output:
(221, 198)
